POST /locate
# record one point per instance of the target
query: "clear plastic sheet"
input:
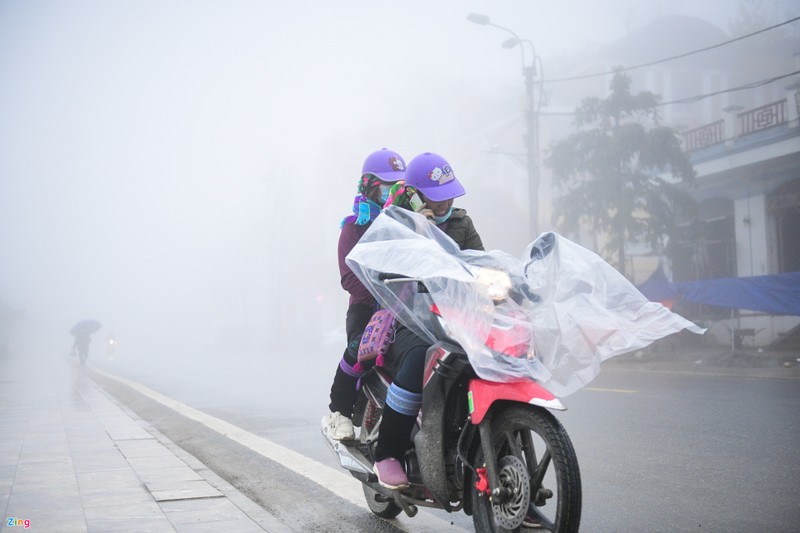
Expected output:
(566, 311)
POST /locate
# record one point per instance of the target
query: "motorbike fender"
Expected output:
(429, 443)
(483, 394)
(429, 440)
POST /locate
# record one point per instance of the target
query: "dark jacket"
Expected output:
(82, 341)
(348, 238)
(460, 228)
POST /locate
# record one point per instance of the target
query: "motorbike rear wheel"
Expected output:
(386, 510)
(532, 448)
(368, 415)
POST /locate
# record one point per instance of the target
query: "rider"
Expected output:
(380, 171)
(432, 177)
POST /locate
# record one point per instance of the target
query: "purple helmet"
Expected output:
(385, 164)
(432, 175)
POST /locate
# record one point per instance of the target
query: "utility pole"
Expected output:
(530, 139)
(531, 142)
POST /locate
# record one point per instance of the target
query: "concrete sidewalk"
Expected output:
(73, 460)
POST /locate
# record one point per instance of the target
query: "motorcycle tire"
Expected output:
(530, 444)
(387, 510)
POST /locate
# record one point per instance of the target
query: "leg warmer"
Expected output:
(403, 401)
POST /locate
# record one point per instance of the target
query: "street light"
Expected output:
(531, 137)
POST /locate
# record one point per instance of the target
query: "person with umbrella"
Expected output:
(82, 331)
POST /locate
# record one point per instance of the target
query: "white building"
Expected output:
(737, 108)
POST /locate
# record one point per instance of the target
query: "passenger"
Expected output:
(380, 171)
(431, 176)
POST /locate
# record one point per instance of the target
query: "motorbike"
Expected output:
(508, 338)
(491, 449)
(111, 345)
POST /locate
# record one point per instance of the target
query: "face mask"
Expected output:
(443, 218)
(385, 193)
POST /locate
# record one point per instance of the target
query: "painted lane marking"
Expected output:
(331, 479)
(623, 391)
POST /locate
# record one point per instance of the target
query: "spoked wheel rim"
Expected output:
(532, 449)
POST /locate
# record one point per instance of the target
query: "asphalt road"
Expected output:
(659, 451)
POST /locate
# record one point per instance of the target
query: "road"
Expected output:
(659, 451)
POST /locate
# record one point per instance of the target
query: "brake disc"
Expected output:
(514, 476)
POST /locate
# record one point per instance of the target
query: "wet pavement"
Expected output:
(716, 360)
(74, 460)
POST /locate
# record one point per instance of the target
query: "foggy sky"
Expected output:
(178, 170)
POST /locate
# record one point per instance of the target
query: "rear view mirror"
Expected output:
(543, 246)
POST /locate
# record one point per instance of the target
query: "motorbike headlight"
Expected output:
(512, 336)
(496, 282)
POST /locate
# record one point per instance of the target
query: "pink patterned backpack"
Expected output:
(378, 336)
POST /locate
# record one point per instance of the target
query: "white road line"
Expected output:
(623, 391)
(339, 483)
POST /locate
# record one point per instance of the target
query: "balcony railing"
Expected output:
(761, 118)
(747, 122)
(703, 136)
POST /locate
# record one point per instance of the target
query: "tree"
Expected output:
(754, 15)
(610, 172)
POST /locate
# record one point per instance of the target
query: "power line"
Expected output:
(751, 85)
(697, 98)
(679, 56)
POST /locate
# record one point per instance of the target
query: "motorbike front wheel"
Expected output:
(537, 463)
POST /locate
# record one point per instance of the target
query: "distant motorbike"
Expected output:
(490, 448)
(111, 345)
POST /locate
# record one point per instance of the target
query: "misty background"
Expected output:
(178, 170)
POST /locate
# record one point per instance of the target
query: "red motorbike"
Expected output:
(492, 449)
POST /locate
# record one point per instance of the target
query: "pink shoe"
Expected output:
(391, 474)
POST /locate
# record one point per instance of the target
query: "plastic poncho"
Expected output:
(567, 310)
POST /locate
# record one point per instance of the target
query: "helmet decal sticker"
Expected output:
(396, 163)
(441, 175)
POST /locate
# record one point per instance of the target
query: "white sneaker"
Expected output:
(339, 427)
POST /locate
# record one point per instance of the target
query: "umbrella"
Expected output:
(86, 326)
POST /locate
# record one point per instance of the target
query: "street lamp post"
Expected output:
(532, 148)
(531, 137)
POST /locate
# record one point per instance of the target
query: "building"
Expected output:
(736, 107)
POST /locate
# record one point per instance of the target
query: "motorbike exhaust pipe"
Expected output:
(409, 508)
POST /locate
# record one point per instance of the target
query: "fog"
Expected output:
(178, 170)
